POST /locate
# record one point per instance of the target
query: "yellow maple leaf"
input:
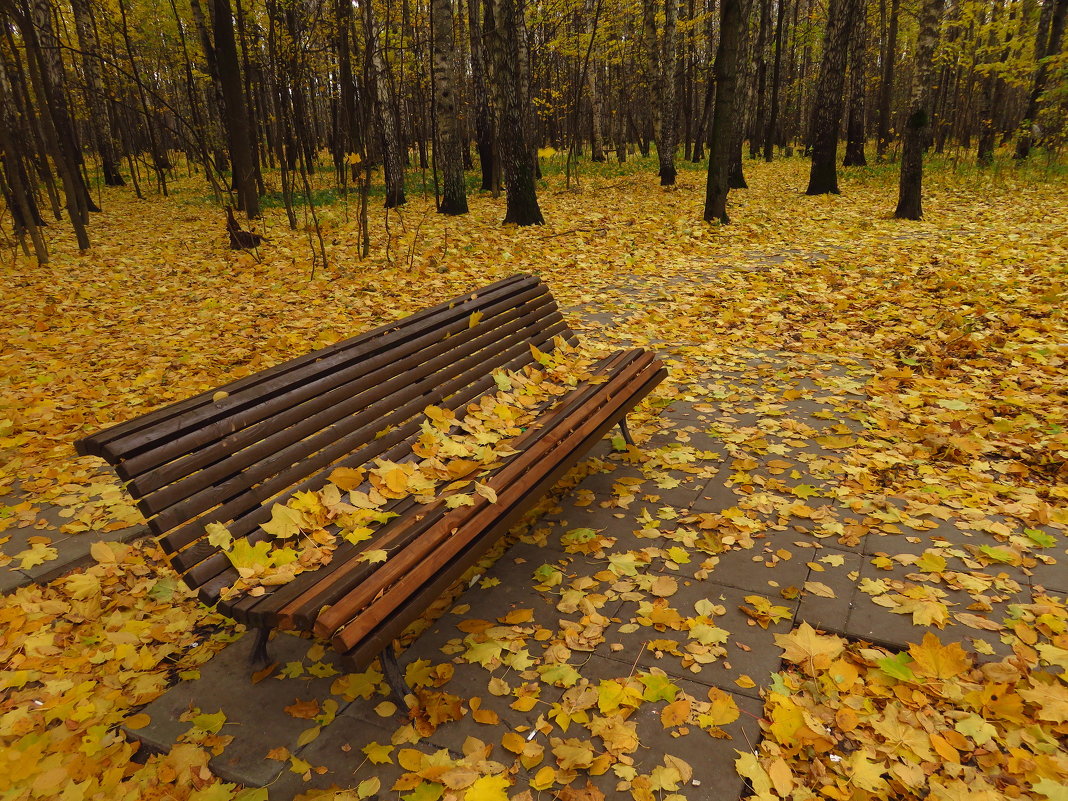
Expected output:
(939, 661)
(812, 651)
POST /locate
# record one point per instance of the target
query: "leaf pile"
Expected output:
(78, 656)
(851, 721)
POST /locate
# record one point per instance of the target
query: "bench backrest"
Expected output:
(283, 429)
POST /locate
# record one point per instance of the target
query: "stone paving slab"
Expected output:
(339, 749)
(750, 648)
(255, 712)
(711, 759)
(73, 552)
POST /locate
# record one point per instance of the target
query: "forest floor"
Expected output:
(869, 413)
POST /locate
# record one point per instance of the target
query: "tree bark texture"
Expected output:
(95, 93)
(503, 47)
(776, 70)
(49, 83)
(855, 128)
(827, 110)
(237, 125)
(725, 71)
(886, 88)
(918, 122)
(392, 158)
(484, 121)
(449, 122)
(993, 89)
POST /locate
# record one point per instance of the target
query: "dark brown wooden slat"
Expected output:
(455, 526)
(301, 613)
(262, 610)
(197, 418)
(350, 433)
(359, 657)
(235, 453)
(321, 395)
(329, 375)
(258, 512)
(97, 443)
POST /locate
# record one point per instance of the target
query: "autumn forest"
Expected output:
(257, 98)
(731, 335)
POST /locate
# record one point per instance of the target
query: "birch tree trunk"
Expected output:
(449, 123)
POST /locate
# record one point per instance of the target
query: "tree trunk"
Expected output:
(218, 125)
(743, 87)
(348, 132)
(100, 120)
(596, 111)
(392, 161)
(827, 110)
(503, 22)
(725, 71)
(484, 124)
(761, 57)
(17, 190)
(58, 127)
(886, 90)
(449, 123)
(668, 140)
(855, 129)
(993, 90)
(236, 113)
(918, 123)
(776, 73)
(1044, 50)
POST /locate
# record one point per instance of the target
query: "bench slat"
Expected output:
(126, 440)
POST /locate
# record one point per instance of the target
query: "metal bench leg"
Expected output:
(259, 656)
(394, 675)
(625, 431)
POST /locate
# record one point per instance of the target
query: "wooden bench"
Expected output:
(230, 454)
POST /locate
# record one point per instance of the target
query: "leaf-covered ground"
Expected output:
(940, 347)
